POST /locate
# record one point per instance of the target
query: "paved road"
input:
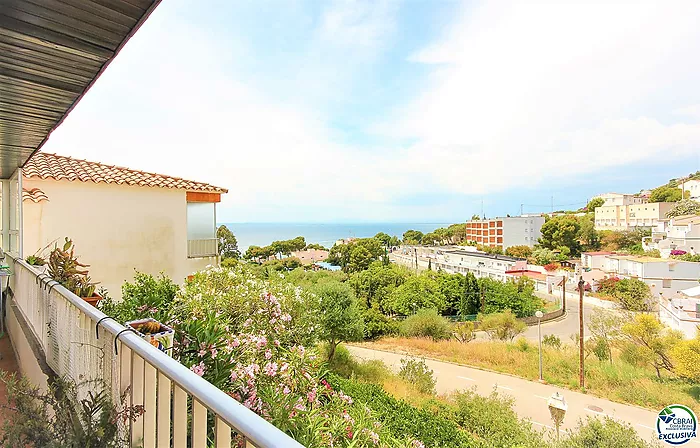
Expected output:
(530, 397)
(566, 327)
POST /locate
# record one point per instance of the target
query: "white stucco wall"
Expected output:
(115, 228)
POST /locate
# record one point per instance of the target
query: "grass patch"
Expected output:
(619, 382)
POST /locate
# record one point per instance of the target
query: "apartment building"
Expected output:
(663, 276)
(505, 232)
(479, 264)
(692, 186)
(631, 216)
(678, 233)
(621, 199)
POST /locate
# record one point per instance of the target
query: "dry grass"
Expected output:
(620, 381)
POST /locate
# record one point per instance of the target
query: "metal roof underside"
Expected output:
(51, 51)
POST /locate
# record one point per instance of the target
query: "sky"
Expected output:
(400, 111)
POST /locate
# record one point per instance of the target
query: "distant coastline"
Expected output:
(326, 234)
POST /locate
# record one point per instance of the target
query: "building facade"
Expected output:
(621, 199)
(692, 187)
(632, 216)
(505, 232)
(120, 220)
(678, 233)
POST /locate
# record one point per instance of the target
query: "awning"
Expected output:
(51, 52)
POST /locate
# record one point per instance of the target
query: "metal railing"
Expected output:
(82, 343)
(202, 248)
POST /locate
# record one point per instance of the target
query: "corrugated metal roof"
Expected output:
(51, 51)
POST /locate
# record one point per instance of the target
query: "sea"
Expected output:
(263, 233)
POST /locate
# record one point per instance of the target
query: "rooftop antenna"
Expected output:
(482, 210)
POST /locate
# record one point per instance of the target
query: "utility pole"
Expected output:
(563, 294)
(581, 284)
(521, 209)
(552, 203)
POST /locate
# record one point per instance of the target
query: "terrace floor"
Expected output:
(7, 363)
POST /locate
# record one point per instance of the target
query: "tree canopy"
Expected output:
(357, 255)
(412, 237)
(594, 204)
(340, 318)
(228, 244)
(561, 232)
(666, 193)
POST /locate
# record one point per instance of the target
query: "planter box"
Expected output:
(162, 339)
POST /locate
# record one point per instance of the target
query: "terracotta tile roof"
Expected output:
(34, 195)
(52, 166)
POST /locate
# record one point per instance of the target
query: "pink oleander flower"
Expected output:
(262, 342)
(268, 354)
(286, 317)
(153, 310)
(198, 369)
(234, 375)
(236, 343)
(345, 398)
(285, 367)
(213, 352)
(311, 396)
(142, 308)
(271, 369)
(277, 343)
(286, 390)
(374, 437)
(417, 444)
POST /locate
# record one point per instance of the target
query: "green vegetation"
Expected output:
(461, 419)
(416, 372)
(519, 251)
(667, 193)
(502, 326)
(57, 418)
(340, 318)
(561, 233)
(632, 294)
(278, 248)
(594, 204)
(228, 244)
(357, 255)
(426, 323)
(684, 207)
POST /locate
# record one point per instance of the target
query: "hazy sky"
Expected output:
(401, 110)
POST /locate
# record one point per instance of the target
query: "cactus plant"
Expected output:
(64, 265)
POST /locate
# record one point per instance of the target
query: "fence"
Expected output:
(83, 344)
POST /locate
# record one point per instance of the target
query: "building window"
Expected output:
(666, 283)
(201, 229)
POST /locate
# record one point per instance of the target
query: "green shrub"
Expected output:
(417, 373)
(522, 345)
(402, 419)
(492, 419)
(503, 326)
(373, 371)
(229, 262)
(463, 332)
(147, 296)
(377, 324)
(428, 324)
(605, 433)
(551, 340)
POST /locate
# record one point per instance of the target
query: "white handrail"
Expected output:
(241, 419)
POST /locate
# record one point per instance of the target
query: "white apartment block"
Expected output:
(678, 233)
(666, 277)
(505, 232)
(479, 264)
(692, 186)
(629, 217)
(621, 199)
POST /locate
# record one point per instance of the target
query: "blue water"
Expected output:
(262, 234)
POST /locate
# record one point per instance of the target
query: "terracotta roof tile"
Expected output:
(52, 166)
(34, 195)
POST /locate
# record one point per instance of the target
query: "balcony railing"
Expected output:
(202, 248)
(82, 343)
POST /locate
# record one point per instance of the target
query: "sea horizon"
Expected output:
(324, 233)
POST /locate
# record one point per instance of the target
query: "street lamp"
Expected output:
(539, 315)
(557, 409)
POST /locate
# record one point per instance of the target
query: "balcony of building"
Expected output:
(56, 333)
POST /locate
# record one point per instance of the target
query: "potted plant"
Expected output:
(65, 268)
(37, 262)
(155, 333)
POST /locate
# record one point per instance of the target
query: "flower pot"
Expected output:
(161, 339)
(40, 269)
(93, 299)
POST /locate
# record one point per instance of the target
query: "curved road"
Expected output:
(530, 398)
(567, 326)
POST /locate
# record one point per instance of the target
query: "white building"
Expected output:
(621, 199)
(693, 186)
(631, 216)
(679, 233)
(505, 232)
(666, 277)
(682, 312)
